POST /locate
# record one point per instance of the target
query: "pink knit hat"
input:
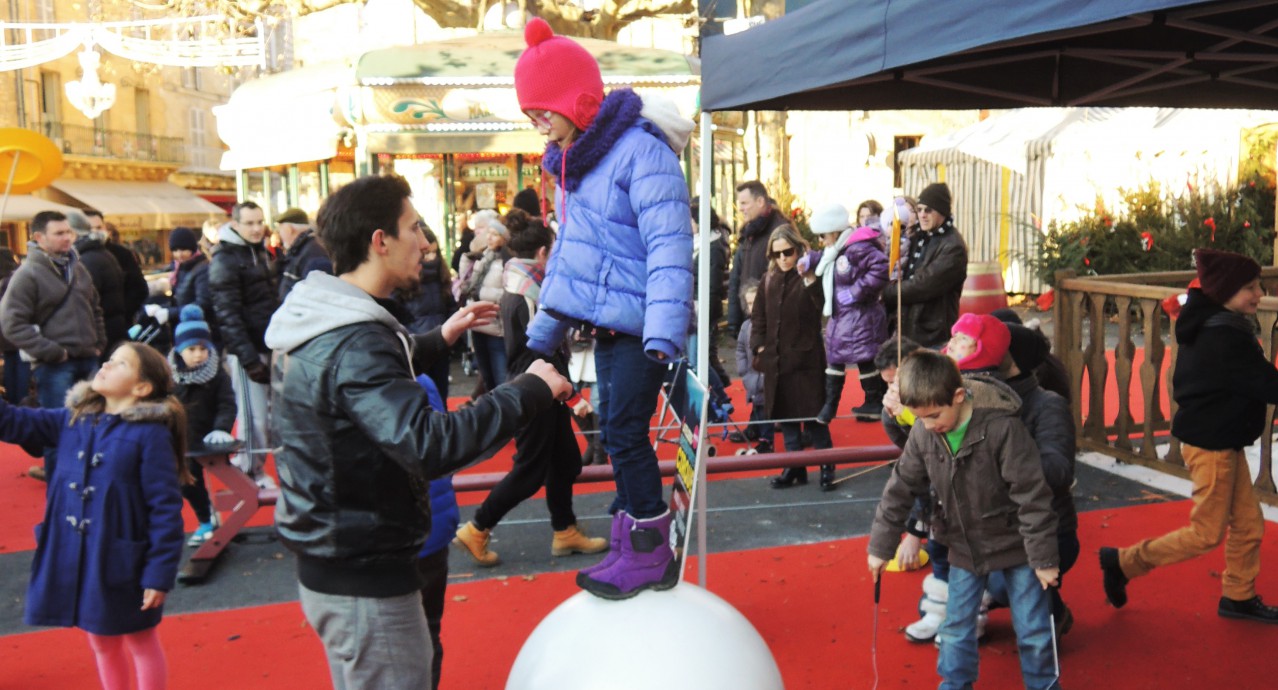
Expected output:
(992, 340)
(557, 74)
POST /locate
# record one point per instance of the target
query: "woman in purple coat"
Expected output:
(853, 271)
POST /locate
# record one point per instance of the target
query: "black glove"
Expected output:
(258, 372)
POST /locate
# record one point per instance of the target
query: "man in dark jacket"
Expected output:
(134, 288)
(303, 253)
(935, 269)
(242, 280)
(750, 261)
(108, 279)
(190, 282)
(360, 442)
(50, 312)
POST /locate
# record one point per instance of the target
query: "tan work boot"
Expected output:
(475, 541)
(573, 540)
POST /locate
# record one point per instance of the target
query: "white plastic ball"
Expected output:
(683, 638)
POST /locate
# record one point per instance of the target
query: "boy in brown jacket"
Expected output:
(993, 509)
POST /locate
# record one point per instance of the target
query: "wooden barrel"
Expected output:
(983, 290)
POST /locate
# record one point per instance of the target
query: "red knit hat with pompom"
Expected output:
(557, 74)
(992, 340)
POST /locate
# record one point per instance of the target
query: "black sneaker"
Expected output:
(1252, 609)
(1115, 581)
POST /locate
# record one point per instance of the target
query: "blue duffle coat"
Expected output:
(113, 516)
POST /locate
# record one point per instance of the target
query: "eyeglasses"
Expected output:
(787, 253)
(540, 118)
(921, 209)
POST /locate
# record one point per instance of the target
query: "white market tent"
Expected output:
(1017, 171)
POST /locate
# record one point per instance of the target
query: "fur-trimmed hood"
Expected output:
(989, 393)
(143, 411)
(621, 109)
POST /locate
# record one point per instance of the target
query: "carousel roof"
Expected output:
(488, 59)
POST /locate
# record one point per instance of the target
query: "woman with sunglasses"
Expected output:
(786, 340)
(621, 270)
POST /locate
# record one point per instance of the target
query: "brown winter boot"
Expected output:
(475, 541)
(573, 540)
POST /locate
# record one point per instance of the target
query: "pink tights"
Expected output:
(114, 651)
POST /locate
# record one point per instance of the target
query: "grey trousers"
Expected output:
(372, 644)
(252, 415)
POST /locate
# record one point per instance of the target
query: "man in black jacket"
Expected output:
(935, 267)
(359, 439)
(134, 289)
(750, 261)
(108, 279)
(303, 253)
(242, 280)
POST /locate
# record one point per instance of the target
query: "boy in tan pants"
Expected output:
(1222, 383)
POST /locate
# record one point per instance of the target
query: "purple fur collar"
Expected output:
(620, 110)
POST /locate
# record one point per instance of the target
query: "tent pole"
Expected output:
(704, 330)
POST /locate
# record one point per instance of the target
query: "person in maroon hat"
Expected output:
(1222, 383)
(621, 270)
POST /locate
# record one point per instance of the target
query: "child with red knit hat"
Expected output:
(621, 270)
(1222, 382)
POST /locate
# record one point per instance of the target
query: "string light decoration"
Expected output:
(204, 41)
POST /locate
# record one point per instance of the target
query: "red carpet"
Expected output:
(812, 604)
(24, 497)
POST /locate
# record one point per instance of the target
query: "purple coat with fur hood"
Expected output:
(858, 321)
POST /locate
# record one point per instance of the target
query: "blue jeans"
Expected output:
(490, 358)
(958, 660)
(17, 378)
(1067, 546)
(54, 380)
(630, 381)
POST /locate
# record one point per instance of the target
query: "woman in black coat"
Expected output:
(786, 340)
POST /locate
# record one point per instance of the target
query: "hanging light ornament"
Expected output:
(90, 95)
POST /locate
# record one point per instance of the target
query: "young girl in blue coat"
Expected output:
(621, 269)
(107, 552)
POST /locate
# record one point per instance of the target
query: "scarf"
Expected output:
(523, 277)
(479, 270)
(825, 269)
(198, 376)
(619, 110)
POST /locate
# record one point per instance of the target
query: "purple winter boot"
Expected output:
(646, 562)
(621, 523)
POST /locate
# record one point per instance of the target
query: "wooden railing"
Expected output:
(1083, 311)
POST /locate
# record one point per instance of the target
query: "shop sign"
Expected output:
(495, 171)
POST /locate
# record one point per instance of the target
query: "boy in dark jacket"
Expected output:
(206, 393)
(985, 470)
(1222, 383)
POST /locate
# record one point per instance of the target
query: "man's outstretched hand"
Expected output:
(470, 316)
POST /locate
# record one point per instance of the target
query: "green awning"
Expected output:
(488, 59)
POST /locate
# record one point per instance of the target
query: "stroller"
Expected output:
(674, 397)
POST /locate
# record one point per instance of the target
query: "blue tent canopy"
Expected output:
(959, 54)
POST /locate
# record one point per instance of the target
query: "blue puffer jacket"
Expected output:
(623, 260)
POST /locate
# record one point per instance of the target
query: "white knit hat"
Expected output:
(830, 218)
